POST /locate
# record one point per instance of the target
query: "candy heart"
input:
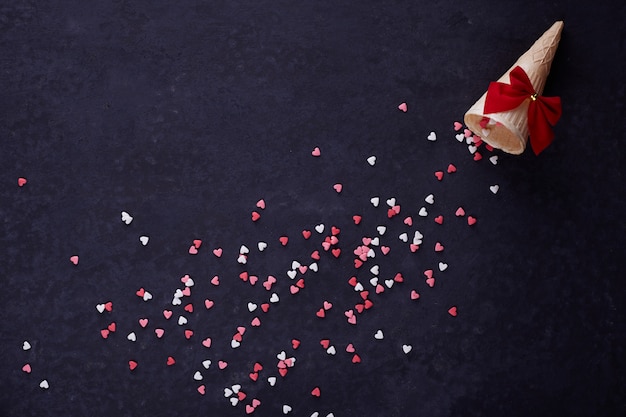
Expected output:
(380, 289)
(430, 282)
(336, 252)
(292, 274)
(222, 365)
(182, 320)
(407, 348)
(143, 322)
(207, 342)
(432, 137)
(403, 107)
(443, 266)
(381, 230)
(147, 296)
(460, 137)
(26, 368)
(413, 247)
(132, 337)
(251, 307)
(261, 204)
(477, 156)
(132, 365)
(460, 212)
(283, 240)
(206, 363)
(271, 380)
(208, 304)
(236, 388)
(170, 361)
(408, 221)
(256, 322)
(358, 287)
(375, 241)
(254, 376)
(457, 126)
(389, 283)
(274, 298)
(189, 308)
(144, 240)
(286, 409)
(303, 269)
(235, 344)
(316, 392)
(242, 259)
(255, 216)
(74, 260)
(451, 169)
(243, 250)
(201, 389)
(438, 247)
(44, 384)
(112, 327)
(494, 159)
(331, 350)
(306, 234)
(375, 269)
(430, 199)
(316, 152)
(313, 267)
(423, 212)
(338, 187)
(439, 219)
(375, 201)
(126, 218)
(21, 181)
(452, 311)
(439, 175)
(215, 280)
(379, 335)
(471, 220)
(414, 295)
(472, 149)
(494, 188)
(371, 160)
(356, 358)
(197, 243)
(159, 332)
(374, 281)
(391, 202)
(100, 308)
(404, 237)
(218, 252)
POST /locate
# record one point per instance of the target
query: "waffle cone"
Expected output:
(509, 130)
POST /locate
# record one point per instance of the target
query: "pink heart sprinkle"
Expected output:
(451, 169)
(215, 280)
(26, 368)
(253, 279)
(261, 204)
(428, 273)
(143, 322)
(256, 403)
(249, 409)
(193, 250)
(207, 303)
(414, 295)
(439, 175)
(460, 212)
(438, 247)
(350, 348)
(385, 249)
(327, 305)
(74, 260)
(21, 181)
(413, 247)
(201, 389)
(403, 107)
(217, 252)
(187, 291)
(256, 322)
(408, 221)
(457, 126)
(338, 187)
(471, 220)
(316, 152)
(467, 133)
(206, 342)
(430, 282)
(222, 364)
(159, 333)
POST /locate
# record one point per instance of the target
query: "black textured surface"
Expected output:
(185, 113)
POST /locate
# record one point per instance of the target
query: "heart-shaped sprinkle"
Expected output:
(477, 156)
(432, 136)
(100, 308)
(471, 220)
(407, 348)
(74, 259)
(494, 188)
(381, 230)
(438, 247)
(182, 320)
(379, 335)
(423, 212)
(439, 219)
(222, 365)
(316, 152)
(331, 350)
(170, 361)
(21, 181)
(274, 298)
(235, 344)
(408, 221)
(144, 240)
(316, 392)
(338, 187)
(261, 204)
(286, 409)
(188, 334)
(494, 159)
(403, 107)
(443, 266)
(206, 363)
(439, 175)
(460, 212)
(207, 342)
(404, 237)
(132, 337)
(126, 218)
(457, 126)
(44, 384)
(261, 246)
(350, 348)
(147, 296)
(414, 295)
(26, 368)
(283, 240)
(256, 322)
(452, 311)
(201, 389)
(356, 358)
(218, 252)
(132, 365)
(375, 201)
(371, 160)
(430, 282)
(215, 280)
(451, 169)
(143, 322)
(255, 216)
(159, 333)
(460, 137)
(271, 380)
(430, 199)
(472, 149)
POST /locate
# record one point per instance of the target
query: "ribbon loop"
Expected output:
(543, 112)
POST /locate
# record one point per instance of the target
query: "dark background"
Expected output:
(185, 113)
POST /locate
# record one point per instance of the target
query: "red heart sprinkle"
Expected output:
(21, 181)
(321, 313)
(439, 175)
(237, 337)
(353, 281)
(140, 292)
(335, 230)
(306, 234)
(188, 334)
(258, 367)
(398, 277)
(170, 361)
(451, 169)
(325, 343)
(477, 156)
(132, 365)
(197, 243)
(359, 308)
(295, 343)
(413, 247)
(356, 358)
(255, 216)
(316, 392)
(336, 252)
(364, 294)
(283, 240)
(244, 276)
(104, 333)
(430, 282)
(254, 376)
(358, 263)
(108, 306)
(439, 219)
(315, 255)
(452, 311)
(357, 219)
(369, 304)
(300, 283)
(282, 372)
(112, 327)
(189, 308)
(471, 220)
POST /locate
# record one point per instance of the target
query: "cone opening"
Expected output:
(500, 135)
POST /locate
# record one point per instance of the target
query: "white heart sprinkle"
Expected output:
(391, 202)
(234, 344)
(292, 274)
(243, 250)
(423, 212)
(494, 159)
(234, 401)
(469, 140)
(358, 287)
(182, 321)
(315, 414)
(236, 388)
(147, 296)
(376, 240)
(242, 259)
(371, 253)
(100, 308)
(389, 283)
(281, 356)
(189, 282)
(271, 380)
(472, 149)
(375, 201)
(407, 348)
(379, 335)
(404, 237)
(371, 160)
(330, 415)
(274, 298)
(331, 350)
(197, 376)
(178, 293)
(374, 281)
(132, 337)
(144, 240)
(460, 137)
(206, 363)
(443, 266)
(176, 301)
(26, 345)
(286, 409)
(313, 267)
(494, 188)
(44, 384)
(126, 218)
(432, 136)
(251, 307)
(295, 264)
(430, 199)
(319, 228)
(375, 269)
(261, 246)
(381, 230)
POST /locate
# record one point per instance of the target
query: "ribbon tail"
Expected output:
(541, 134)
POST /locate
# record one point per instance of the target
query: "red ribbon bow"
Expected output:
(543, 112)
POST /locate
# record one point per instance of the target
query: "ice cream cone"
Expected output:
(509, 130)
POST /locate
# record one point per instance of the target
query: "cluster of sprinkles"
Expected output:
(366, 256)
